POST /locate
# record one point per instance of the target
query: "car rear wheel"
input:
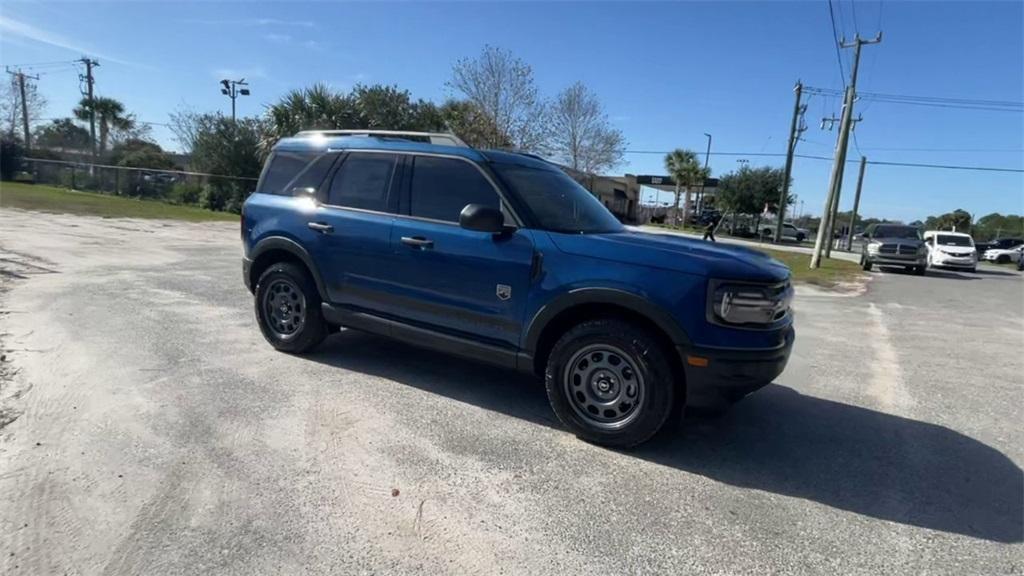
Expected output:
(1002, 259)
(288, 309)
(610, 382)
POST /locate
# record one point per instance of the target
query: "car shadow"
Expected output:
(932, 272)
(990, 272)
(777, 440)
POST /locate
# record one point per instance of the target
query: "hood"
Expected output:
(907, 241)
(678, 253)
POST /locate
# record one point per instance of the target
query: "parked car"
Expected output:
(1000, 244)
(1001, 255)
(894, 245)
(503, 258)
(789, 232)
(950, 249)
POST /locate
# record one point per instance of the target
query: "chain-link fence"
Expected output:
(211, 191)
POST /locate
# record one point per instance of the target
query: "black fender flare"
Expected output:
(292, 247)
(628, 300)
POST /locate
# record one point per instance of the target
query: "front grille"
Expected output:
(887, 249)
(907, 249)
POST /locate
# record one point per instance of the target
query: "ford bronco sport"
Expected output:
(503, 258)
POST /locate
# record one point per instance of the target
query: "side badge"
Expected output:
(504, 292)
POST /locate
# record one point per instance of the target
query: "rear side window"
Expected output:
(282, 168)
(362, 182)
(441, 188)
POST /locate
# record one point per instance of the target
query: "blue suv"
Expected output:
(503, 258)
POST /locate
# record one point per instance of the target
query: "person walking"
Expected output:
(709, 229)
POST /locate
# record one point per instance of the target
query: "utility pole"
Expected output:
(24, 104)
(795, 128)
(836, 183)
(835, 203)
(700, 195)
(856, 203)
(89, 81)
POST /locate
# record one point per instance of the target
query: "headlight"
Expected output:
(749, 305)
(874, 246)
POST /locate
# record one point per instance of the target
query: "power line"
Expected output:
(835, 39)
(829, 158)
(930, 101)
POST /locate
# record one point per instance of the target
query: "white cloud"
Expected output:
(14, 29)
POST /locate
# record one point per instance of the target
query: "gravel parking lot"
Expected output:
(151, 430)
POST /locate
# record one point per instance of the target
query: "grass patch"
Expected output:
(60, 200)
(832, 271)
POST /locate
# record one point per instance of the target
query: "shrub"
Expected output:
(185, 193)
(11, 155)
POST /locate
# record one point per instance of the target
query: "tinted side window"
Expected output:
(362, 181)
(282, 168)
(314, 174)
(441, 188)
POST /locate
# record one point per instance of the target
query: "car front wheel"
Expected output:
(610, 382)
(865, 264)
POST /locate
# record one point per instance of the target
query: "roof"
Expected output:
(324, 142)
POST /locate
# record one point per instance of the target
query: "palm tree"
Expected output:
(109, 114)
(684, 167)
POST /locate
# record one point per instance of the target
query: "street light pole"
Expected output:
(231, 90)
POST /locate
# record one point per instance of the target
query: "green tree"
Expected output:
(467, 121)
(377, 107)
(958, 220)
(227, 147)
(141, 154)
(685, 169)
(62, 133)
(750, 191)
(110, 115)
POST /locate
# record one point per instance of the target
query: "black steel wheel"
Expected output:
(611, 382)
(288, 308)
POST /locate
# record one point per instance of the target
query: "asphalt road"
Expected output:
(155, 432)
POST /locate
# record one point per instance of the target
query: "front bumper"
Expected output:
(891, 260)
(246, 267)
(717, 376)
(954, 261)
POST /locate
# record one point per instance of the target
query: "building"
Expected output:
(622, 194)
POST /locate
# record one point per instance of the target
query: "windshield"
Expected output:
(901, 232)
(951, 240)
(557, 201)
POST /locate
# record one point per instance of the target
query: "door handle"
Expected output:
(417, 242)
(321, 227)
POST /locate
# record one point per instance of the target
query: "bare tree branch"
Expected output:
(582, 137)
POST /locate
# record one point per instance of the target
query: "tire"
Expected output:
(865, 264)
(610, 383)
(296, 325)
(1002, 259)
(920, 270)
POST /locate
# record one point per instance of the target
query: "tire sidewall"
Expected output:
(649, 358)
(314, 328)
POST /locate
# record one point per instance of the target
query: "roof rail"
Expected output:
(431, 137)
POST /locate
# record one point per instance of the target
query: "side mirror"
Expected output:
(482, 219)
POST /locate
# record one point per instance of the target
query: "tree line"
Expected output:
(494, 103)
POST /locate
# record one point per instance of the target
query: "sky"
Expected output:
(666, 72)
